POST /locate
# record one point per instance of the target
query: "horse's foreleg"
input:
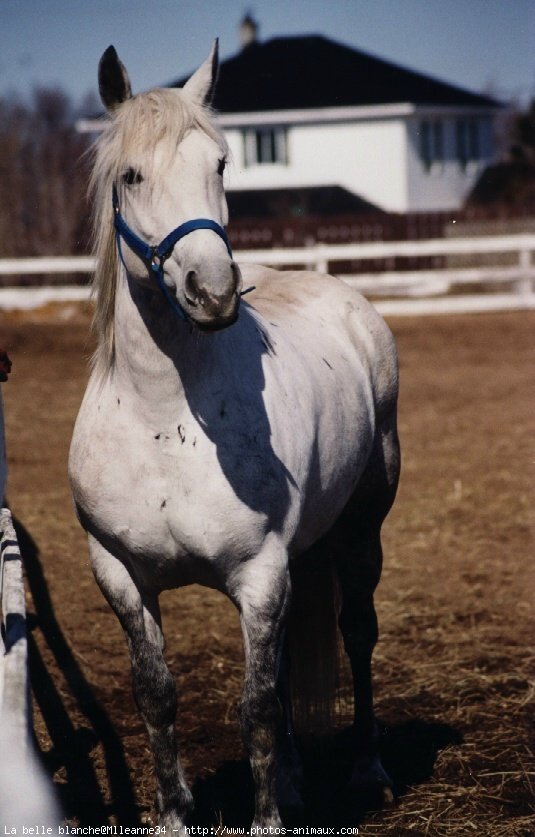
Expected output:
(262, 592)
(153, 685)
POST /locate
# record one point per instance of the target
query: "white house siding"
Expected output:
(378, 159)
(446, 183)
(367, 158)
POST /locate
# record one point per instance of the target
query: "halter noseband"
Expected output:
(156, 256)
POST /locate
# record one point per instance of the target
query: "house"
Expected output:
(318, 127)
(307, 113)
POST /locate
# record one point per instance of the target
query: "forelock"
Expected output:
(162, 118)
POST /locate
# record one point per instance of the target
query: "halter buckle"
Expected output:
(156, 261)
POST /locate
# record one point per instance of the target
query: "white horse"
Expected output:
(215, 449)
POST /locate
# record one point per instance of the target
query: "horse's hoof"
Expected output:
(389, 800)
(373, 785)
(172, 822)
(273, 825)
(170, 825)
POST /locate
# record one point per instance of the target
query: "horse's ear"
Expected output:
(113, 81)
(201, 85)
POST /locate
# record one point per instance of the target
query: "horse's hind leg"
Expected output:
(261, 589)
(358, 623)
(153, 685)
(359, 562)
(289, 768)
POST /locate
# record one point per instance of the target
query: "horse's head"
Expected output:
(163, 159)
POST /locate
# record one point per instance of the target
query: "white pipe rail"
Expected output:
(319, 254)
(322, 254)
(47, 264)
(26, 793)
(323, 258)
(14, 694)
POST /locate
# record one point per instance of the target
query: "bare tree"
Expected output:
(43, 208)
(510, 185)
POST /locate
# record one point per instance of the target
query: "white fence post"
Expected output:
(322, 264)
(524, 286)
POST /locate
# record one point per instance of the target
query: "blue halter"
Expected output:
(156, 256)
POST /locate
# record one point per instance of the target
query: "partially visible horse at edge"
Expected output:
(221, 438)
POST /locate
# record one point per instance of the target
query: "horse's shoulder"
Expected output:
(290, 289)
(289, 297)
(314, 295)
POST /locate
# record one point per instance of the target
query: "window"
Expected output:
(431, 143)
(474, 152)
(461, 142)
(467, 141)
(265, 146)
(438, 142)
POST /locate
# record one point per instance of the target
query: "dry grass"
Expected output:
(455, 660)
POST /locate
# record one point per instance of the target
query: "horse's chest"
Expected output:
(172, 492)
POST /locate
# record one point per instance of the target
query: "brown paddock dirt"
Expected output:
(454, 666)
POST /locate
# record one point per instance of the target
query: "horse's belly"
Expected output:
(325, 434)
(332, 481)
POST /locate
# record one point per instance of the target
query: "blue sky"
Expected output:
(483, 45)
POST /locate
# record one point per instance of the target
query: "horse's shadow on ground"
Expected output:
(408, 750)
(408, 753)
(80, 793)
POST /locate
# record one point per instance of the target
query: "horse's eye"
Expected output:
(221, 167)
(131, 177)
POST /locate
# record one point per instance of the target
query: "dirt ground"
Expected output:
(454, 666)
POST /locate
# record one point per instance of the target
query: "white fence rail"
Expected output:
(14, 692)
(26, 793)
(424, 291)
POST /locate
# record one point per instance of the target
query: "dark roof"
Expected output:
(295, 202)
(315, 72)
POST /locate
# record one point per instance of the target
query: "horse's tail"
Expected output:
(313, 641)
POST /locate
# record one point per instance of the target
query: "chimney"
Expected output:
(248, 31)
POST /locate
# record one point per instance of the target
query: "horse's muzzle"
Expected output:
(212, 305)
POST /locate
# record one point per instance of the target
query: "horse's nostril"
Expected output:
(212, 294)
(191, 288)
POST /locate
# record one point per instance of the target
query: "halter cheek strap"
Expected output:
(155, 256)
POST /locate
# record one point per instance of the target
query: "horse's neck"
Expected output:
(164, 366)
(149, 340)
